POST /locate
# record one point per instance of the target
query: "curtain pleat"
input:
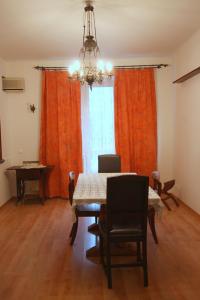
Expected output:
(60, 135)
(136, 120)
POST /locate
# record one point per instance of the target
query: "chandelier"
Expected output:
(90, 69)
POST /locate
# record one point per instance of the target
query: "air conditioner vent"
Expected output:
(13, 84)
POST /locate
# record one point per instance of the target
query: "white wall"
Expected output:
(166, 122)
(24, 125)
(5, 135)
(187, 146)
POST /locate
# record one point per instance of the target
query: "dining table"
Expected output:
(91, 188)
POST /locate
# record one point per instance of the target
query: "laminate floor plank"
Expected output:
(38, 263)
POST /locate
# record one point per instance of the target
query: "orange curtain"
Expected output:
(60, 137)
(135, 120)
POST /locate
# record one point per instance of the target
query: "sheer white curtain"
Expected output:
(97, 112)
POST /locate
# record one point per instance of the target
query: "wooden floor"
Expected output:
(37, 262)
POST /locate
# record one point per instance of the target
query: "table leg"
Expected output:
(93, 251)
(151, 217)
(94, 229)
(117, 249)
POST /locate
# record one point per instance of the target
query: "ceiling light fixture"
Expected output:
(90, 69)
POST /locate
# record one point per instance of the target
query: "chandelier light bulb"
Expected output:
(101, 66)
(109, 67)
(90, 69)
(71, 70)
(77, 65)
(81, 73)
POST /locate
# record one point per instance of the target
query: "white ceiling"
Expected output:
(43, 29)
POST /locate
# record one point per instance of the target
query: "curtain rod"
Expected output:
(158, 66)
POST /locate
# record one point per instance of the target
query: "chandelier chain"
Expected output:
(90, 69)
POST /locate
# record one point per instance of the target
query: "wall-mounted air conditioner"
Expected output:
(13, 84)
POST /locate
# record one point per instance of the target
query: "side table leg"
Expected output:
(43, 188)
(20, 189)
(18, 184)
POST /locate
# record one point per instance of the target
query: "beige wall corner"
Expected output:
(187, 145)
(5, 191)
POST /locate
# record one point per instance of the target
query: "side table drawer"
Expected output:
(29, 174)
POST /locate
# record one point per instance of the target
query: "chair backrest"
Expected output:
(109, 163)
(71, 186)
(168, 185)
(127, 201)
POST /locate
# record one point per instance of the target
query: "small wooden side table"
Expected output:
(27, 173)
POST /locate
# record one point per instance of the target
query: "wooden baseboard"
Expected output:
(11, 199)
(191, 210)
(14, 198)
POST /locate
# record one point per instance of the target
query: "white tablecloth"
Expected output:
(91, 188)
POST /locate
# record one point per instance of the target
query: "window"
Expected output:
(97, 124)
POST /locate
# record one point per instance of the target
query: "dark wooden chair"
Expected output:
(109, 163)
(87, 210)
(125, 220)
(163, 192)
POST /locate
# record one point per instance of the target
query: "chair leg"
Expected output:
(108, 264)
(138, 251)
(96, 220)
(101, 250)
(165, 203)
(151, 218)
(174, 199)
(74, 232)
(145, 268)
(72, 229)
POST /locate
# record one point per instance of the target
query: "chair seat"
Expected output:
(88, 209)
(122, 231)
(165, 196)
